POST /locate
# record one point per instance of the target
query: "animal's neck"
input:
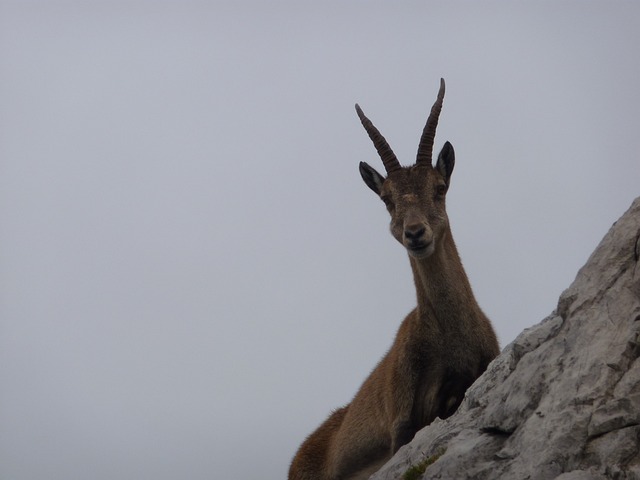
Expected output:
(442, 285)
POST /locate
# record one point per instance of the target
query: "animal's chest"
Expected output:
(443, 375)
(454, 356)
(441, 395)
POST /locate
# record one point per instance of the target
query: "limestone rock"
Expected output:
(562, 401)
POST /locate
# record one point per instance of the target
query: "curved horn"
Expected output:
(389, 158)
(425, 148)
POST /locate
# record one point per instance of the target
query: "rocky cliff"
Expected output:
(562, 401)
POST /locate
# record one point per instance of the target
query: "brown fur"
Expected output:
(441, 347)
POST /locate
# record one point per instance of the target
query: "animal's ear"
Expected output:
(372, 178)
(446, 161)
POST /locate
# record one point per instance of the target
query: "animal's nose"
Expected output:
(414, 232)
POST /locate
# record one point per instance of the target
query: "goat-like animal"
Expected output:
(441, 347)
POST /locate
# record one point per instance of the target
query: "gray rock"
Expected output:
(562, 401)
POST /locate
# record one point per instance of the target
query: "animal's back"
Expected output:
(310, 463)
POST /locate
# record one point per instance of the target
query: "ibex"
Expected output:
(441, 347)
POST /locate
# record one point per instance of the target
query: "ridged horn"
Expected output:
(389, 158)
(425, 149)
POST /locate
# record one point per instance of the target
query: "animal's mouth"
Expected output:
(421, 250)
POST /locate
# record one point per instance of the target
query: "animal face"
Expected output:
(415, 199)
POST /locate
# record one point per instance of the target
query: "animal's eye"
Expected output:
(441, 190)
(387, 201)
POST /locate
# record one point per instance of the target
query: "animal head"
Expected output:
(415, 195)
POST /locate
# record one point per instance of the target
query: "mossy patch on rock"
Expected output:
(414, 472)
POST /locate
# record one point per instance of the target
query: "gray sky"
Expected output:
(193, 274)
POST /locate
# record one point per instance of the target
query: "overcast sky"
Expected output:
(192, 272)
